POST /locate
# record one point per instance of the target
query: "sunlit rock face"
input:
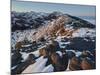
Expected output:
(51, 38)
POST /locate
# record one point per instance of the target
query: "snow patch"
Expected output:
(60, 53)
(49, 68)
(38, 66)
(84, 32)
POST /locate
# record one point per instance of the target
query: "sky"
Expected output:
(75, 10)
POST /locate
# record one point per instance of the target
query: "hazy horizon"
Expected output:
(72, 9)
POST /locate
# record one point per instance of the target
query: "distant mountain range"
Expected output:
(33, 20)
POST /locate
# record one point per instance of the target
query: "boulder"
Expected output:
(74, 64)
(87, 64)
(16, 58)
(22, 66)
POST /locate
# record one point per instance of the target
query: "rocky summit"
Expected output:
(47, 38)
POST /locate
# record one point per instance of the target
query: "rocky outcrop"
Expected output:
(59, 41)
(52, 28)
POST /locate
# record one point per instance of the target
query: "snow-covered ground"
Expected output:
(39, 65)
(19, 36)
(84, 32)
(25, 55)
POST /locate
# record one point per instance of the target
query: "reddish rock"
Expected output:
(43, 52)
(74, 64)
(86, 64)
